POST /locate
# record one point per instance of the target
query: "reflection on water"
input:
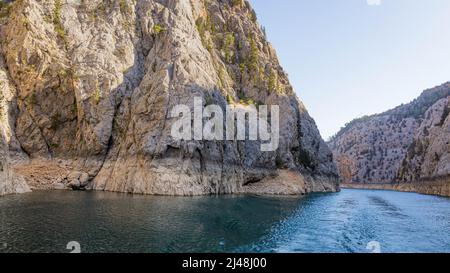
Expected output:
(110, 222)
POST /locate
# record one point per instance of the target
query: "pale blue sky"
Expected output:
(346, 59)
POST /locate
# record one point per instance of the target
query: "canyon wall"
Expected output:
(94, 83)
(406, 148)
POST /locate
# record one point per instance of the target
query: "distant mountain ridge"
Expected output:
(415, 109)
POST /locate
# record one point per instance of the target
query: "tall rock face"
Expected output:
(10, 182)
(408, 144)
(95, 82)
(428, 157)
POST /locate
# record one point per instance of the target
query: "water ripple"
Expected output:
(109, 222)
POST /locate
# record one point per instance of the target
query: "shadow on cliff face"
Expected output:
(142, 153)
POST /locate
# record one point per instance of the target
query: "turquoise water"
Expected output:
(110, 222)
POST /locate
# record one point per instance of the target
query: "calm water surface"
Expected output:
(110, 222)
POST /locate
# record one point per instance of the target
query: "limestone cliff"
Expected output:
(406, 145)
(10, 181)
(428, 157)
(95, 82)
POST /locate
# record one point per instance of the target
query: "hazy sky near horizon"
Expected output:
(346, 58)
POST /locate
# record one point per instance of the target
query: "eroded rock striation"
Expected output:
(407, 148)
(94, 83)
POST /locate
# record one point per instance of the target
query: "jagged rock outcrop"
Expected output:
(407, 147)
(95, 82)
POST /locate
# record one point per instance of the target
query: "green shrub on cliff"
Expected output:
(205, 27)
(96, 96)
(157, 29)
(253, 56)
(272, 81)
(237, 3)
(57, 25)
(230, 99)
(228, 46)
(4, 10)
(124, 8)
(242, 69)
(31, 100)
